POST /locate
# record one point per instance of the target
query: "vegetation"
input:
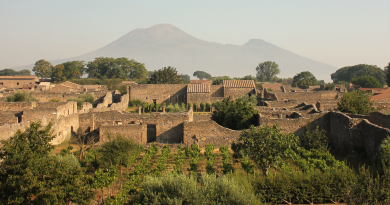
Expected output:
(304, 79)
(21, 97)
(347, 73)
(365, 82)
(387, 71)
(83, 98)
(267, 71)
(329, 86)
(356, 102)
(11, 72)
(202, 75)
(185, 78)
(166, 75)
(236, 115)
(42, 68)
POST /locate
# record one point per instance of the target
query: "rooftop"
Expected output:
(239, 84)
(198, 88)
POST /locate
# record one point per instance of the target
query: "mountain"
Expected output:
(165, 45)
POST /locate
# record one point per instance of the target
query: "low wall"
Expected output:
(208, 132)
(16, 105)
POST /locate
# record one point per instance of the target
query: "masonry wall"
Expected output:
(283, 104)
(6, 118)
(380, 119)
(16, 105)
(208, 132)
(17, 83)
(198, 98)
(64, 126)
(309, 97)
(133, 131)
(237, 92)
(160, 92)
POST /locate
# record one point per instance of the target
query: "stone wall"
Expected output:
(208, 132)
(16, 105)
(198, 98)
(282, 104)
(107, 100)
(380, 119)
(159, 92)
(309, 97)
(63, 128)
(8, 118)
(237, 92)
(133, 131)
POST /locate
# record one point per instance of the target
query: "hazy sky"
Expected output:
(336, 32)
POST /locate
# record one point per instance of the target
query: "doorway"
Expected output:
(151, 133)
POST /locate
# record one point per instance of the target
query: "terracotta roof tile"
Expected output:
(239, 83)
(198, 88)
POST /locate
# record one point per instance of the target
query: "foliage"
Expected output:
(103, 178)
(151, 107)
(356, 102)
(174, 108)
(348, 72)
(202, 75)
(208, 106)
(210, 158)
(246, 164)
(158, 106)
(234, 115)
(144, 106)
(166, 75)
(219, 80)
(185, 78)
(304, 79)
(179, 159)
(104, 67)
(202, 106)
(160, 165)
(329, 86)
(83, 98)
(195, 106)
(42, 68)
(227, 165)
(267, 71)
(11, 72)
(136, 102)
(67, 71)
(252, 100)
(315, 139)
(29, 174)
(267, 145)
(365, 82)
(387, 71)
(384, 155)
(21, 97)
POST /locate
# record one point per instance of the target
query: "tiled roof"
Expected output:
(202, 82)
(383, 94)
(239, 83)
(198, 88)
(21, 77)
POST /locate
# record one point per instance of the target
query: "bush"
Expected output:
(136, 102)
(82, 98)
(252, 100)
(144, 106)
(189, 105)
(315, 139)
(158, 107)
(329, 86)
(54, 100)
(174, 108)
(196, 106)
(208, 106)
(202, 106)
(151, 106)
(21, 97)
(356, 102)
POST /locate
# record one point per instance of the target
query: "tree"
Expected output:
(73, 69)
(304, 79)
(267, 71)
(349, 72)
(219, 80)
(185, 78)
(166, 75)
(42, 68)
(365, 82)
(10, 72)
(233, 115)
(29, 174)
(57, 73)
(267, 145)
(82, 141)
(356, 102)
(387, 71)
(202, 75)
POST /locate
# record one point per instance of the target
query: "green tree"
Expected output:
(24, 72)
(21, 97)
(73, 69)
(365, 82)
(219, 80)
(57, 73)
(267, 71)
(202, 75)
(304, 79)
(10, 72)
(42, 68)
(233, 115)
(356, 102)
(267, 145)
(329, 86)
(349, 72)
(185, 78)
(315, 139)
(29, 174)
(166, 75)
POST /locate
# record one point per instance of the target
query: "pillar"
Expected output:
(163, 109)
(139, 110)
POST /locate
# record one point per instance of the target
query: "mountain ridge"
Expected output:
(166, 45)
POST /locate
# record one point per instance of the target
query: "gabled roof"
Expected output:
(198, 88)
(239, 84)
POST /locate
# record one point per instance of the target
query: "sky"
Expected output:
(336, 32)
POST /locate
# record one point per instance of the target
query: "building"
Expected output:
(19, 81)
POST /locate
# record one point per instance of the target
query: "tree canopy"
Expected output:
(348, 72)
(185, 78)
(166, 75)
(267, 71)
(356, 102)
(202, 75)
(11, 72)
(234, 115)
(304, 79)
(42, 68)
(219, 79)
(365, 82)
(387, 71)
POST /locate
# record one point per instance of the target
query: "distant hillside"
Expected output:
(165, 45)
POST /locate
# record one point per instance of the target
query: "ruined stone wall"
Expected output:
(380, 119)
(198, 98)
(309, 97)
(107, 100)
(16, 105)
(9, 130)
(6, 118)
(120, 106)
(64, 126)
(237, 92)
(269, 95)
(160, 92)
(17, 83)
(282, 104)
(133, 131)
(202, 117)
(208, 132)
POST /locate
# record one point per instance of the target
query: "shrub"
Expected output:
(21, 97)
(144, 106)
(208, 106)
(252, 100)
(356, 102)
(189, 105)
(158, 107)
(329, 86)
(136, 102)
(196, 106)
(202, 106)
(82, 98)
(54, 100)
(151, 106)
(366, 82)
(315, 139)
